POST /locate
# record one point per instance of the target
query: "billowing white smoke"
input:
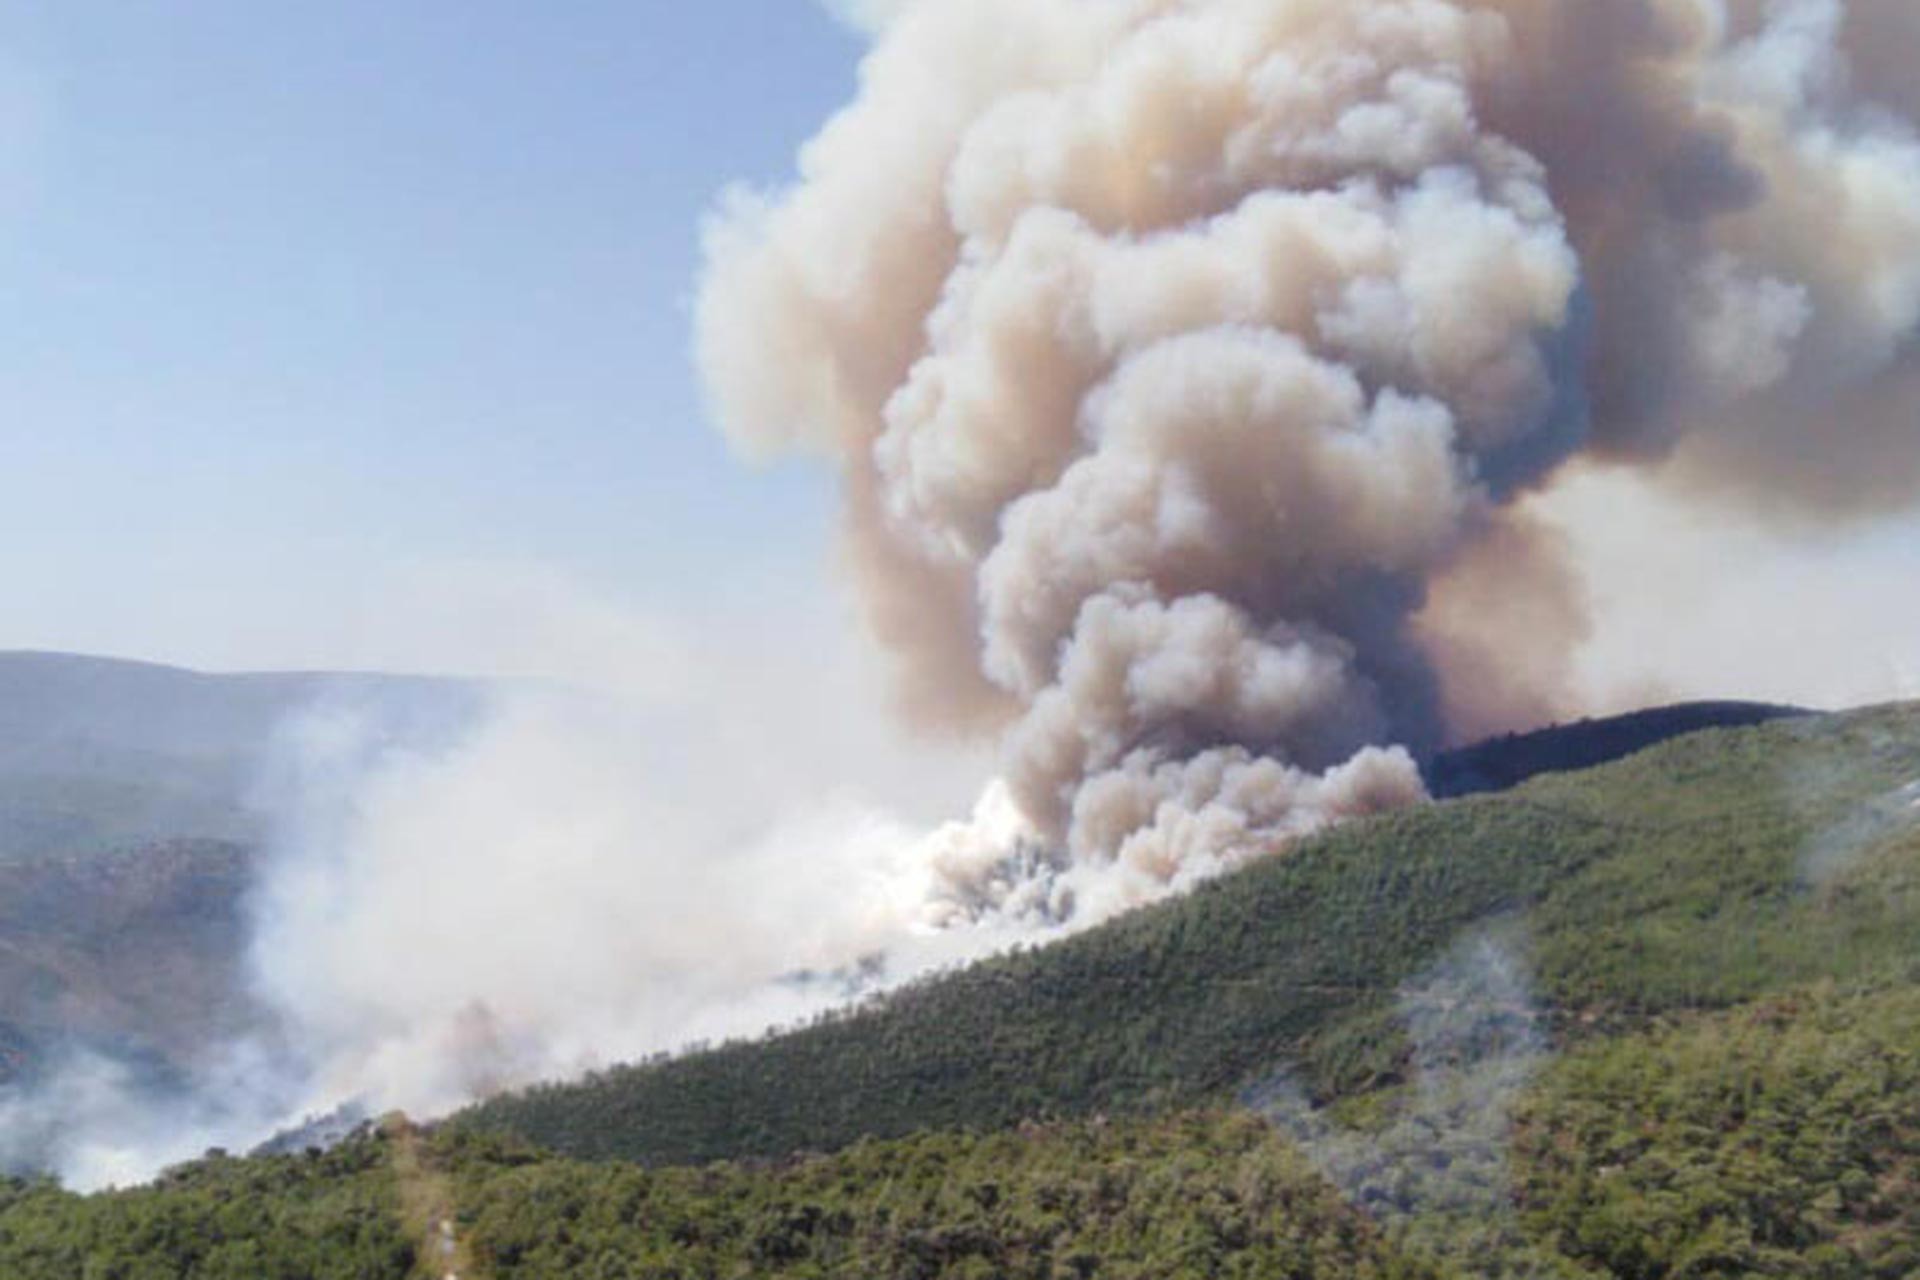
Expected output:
(97, 1122)
(1185, 361)
(568, 880)
(568, 887)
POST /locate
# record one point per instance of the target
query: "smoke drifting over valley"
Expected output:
(1192, 367)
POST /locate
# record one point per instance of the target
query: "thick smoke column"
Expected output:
(1184, 359)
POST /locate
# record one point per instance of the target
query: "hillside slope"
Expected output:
(1660, 1019)
(131, 955)
(99, 754)
(131, 819)
(1704, 873)
(1778, 1138)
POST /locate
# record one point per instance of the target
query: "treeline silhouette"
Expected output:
(1498, 764)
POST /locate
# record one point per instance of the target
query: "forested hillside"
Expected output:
(1778, 1138)
(1704, 873)
(132, 954)
(1660, 1019)
(318, 1217)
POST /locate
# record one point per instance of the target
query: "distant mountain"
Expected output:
(97, 753)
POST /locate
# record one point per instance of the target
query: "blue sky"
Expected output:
(293, 295)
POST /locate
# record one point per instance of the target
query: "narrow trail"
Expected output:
(427, 1206)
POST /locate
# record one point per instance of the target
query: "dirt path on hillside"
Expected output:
(427, 1207)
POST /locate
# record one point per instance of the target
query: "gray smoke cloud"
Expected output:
(1434, 1167)
(1185, 362)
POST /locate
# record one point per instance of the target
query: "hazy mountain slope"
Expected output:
(1698, 875)
(131, 954)
(130, 818)
(99, 753)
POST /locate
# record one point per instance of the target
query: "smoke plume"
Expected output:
(1186, 363)
(1198, 373)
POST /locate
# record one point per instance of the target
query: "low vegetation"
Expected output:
(1193, 1195)
(306, 1217)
